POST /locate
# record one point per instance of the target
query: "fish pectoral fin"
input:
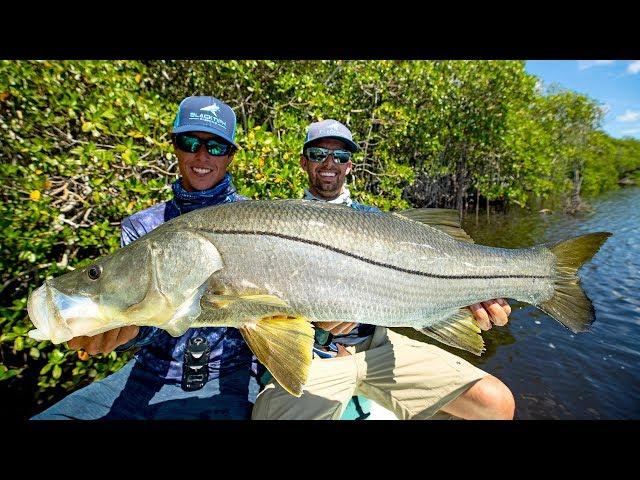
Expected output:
(284, 345)
(458, 330)
(216, 300)
(443, 219)
(270, 300)
(212, 300)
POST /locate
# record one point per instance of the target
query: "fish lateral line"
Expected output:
(368, 260)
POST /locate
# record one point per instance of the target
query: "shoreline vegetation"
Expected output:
(86, 143)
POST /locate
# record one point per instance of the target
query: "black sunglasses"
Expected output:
(319, 155)
(191, 144)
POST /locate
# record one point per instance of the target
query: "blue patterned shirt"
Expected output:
(160, 352)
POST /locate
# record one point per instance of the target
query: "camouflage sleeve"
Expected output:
(145, 337)
(127, 232)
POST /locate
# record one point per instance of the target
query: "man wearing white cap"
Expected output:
(414, 380)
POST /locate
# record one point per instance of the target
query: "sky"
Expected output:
(613, 83)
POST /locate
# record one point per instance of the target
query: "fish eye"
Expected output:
(94, 272)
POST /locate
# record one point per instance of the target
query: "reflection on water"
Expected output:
(553, 373)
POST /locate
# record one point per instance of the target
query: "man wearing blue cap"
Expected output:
(414, 380)
(207, 372)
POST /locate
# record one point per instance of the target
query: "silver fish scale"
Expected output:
(384, 238)
(330, 262)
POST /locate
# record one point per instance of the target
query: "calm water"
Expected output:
(553, 373)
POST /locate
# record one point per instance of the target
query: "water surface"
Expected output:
(553, 373)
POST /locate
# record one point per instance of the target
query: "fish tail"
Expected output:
(570, 305)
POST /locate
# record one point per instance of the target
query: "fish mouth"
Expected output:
(59, 317)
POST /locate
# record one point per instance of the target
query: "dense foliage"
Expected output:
(84, 144)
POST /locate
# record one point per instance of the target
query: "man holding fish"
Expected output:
(413, 379)
(207, 372)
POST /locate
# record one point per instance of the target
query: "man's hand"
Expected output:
(105, 342)
(336, 328)
(496, 311)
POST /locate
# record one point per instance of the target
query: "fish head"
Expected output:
(148, 282)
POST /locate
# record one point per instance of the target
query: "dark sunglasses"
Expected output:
(319, 155)
(191, 144)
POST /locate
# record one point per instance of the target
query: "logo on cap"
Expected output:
(212, 108)
(206, 117)
(333, 129)
(206, 114)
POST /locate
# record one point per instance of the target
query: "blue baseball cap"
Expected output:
(330, 129)
(206, 114)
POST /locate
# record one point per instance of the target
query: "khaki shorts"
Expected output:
(412, 379)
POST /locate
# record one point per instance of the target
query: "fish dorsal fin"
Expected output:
(284, 345)
(458, 330)
(444, 219)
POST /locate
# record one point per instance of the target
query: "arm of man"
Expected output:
(104, 342)
(485, 313)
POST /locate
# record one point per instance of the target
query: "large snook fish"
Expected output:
(270, 268)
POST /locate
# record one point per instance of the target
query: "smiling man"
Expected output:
(205, 373)
(203, 168)
(414, 380)
(326, 178)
